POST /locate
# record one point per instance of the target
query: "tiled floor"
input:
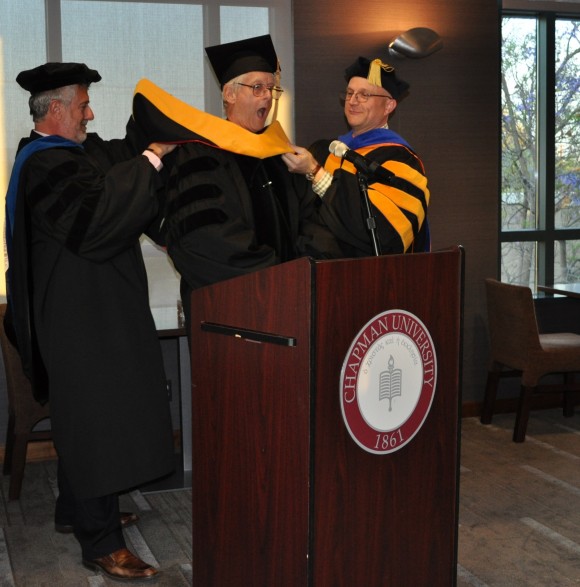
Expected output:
(520, 503)
(519, 518)
(33, 555)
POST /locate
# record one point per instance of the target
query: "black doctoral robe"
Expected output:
(399, 205)
(229, 214)
(79, 216)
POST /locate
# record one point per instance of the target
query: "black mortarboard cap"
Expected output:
(379, 74)
(56, 75)
(233, 59)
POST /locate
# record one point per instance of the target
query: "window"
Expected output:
(540, 177)
(126, 40)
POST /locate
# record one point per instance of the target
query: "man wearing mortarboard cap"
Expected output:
(232, 63)
(232, 206)
(78, 309)
(399, 195)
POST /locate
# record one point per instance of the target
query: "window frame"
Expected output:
(280, 14)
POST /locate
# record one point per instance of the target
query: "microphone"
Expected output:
(371, 169)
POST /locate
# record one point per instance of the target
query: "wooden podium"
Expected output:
(283, 495)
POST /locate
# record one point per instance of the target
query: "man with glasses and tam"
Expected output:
(396, 184)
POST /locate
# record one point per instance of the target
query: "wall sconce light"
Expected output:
(416, 43)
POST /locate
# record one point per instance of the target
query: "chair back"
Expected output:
(512, 323)
(20, 396)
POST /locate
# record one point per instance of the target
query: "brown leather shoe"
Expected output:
(127, 519)
(122, 565)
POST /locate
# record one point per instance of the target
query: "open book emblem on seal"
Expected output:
(388, 381)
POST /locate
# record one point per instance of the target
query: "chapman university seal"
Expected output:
(387, 382)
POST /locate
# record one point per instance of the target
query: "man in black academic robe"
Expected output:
(78, 305)
(232, 206)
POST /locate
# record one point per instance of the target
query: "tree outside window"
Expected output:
(540, 185)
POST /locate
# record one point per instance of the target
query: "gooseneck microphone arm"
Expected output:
(370, 219)
(366, 170)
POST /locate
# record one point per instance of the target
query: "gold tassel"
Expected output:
(374, 76)
(277, 74)
(277, 80)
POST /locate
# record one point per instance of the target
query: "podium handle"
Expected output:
(248, 335)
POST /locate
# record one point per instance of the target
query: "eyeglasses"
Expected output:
(361, 97)
(260, 90)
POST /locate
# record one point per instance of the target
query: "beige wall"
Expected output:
(451, 118)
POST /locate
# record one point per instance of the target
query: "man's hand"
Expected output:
(161, 149)
(300, 161)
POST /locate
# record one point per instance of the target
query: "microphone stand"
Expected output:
(371, 222)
